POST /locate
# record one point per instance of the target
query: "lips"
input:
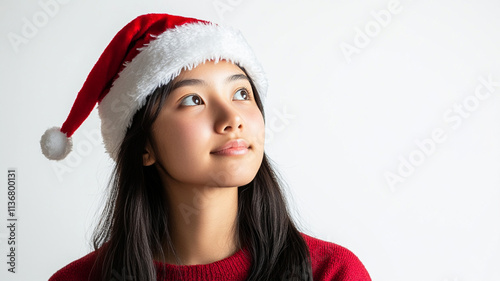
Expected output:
(232, 146)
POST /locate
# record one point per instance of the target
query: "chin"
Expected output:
(222, 179)
(234, 183)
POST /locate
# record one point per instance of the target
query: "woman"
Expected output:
(193, 196)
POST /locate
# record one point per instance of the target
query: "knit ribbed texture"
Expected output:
(329, 262)
(235, 267)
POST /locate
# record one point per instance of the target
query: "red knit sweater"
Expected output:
(329, 262)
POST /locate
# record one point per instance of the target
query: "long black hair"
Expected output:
(134, 225)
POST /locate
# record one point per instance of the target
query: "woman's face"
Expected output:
(209, 108)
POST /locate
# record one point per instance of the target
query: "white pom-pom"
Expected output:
(55, 144)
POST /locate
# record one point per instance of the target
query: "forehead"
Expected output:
(210, 70)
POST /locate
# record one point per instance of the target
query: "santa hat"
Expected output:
(147, 53)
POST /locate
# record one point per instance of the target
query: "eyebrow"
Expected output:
(188, 82)
(237, 77)
(195, 82)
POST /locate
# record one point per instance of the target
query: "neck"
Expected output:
(202, 223)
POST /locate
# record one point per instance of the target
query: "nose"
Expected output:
(228, 119)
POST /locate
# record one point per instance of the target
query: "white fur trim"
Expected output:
(55, 145)
(183, 47)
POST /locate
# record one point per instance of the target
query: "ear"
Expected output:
(148, 157)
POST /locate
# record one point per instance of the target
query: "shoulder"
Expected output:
(78, 270)
(334, 262)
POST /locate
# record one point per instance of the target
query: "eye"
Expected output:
(191, 100)
(241, 94)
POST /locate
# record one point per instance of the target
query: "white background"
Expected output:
(338, 123)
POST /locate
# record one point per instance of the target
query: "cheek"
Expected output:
(180, 141)
(184, 139)
(256, 125)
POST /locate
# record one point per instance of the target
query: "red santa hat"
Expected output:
(147, 53)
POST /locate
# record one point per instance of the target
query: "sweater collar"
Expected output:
(235, 268)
